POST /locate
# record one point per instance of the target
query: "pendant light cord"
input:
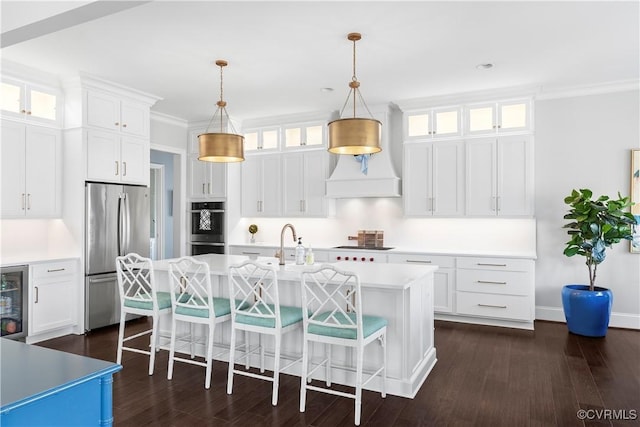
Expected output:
(354, 79)
(354, 87)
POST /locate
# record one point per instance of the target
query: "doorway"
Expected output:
(162, 230)
(156, 210)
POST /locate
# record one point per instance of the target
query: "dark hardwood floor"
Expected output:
(485, 376)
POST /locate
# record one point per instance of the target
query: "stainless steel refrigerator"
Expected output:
(117, 221)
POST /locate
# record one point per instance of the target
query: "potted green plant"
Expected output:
(595, 225)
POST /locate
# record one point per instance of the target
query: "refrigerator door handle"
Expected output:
(120, 225)
(128, 224)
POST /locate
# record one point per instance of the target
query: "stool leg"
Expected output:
(120, 338)
(276, 370)
(207, 383)
(328, 367)
(384, 366)
(261, 344)
(154, 337)
(192, 332)
(172, 349)
(305, 369)
(232, 351)
(246, 350)
(358, 406)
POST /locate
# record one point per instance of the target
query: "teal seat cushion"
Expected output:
(288, 316)
(370, 324)
(221, 307)
(164, 301)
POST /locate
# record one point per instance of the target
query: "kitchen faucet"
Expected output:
(280, 254)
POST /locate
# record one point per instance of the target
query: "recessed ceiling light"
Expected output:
(484, 66)
(326, 89)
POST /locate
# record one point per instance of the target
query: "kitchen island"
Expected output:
(44, 387)
(401, 293)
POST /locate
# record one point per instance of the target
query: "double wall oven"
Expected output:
(207, 228)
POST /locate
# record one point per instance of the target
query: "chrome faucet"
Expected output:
(280, 254)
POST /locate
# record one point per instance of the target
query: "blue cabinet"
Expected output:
(41, 386)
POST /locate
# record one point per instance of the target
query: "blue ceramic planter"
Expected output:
(587, 312)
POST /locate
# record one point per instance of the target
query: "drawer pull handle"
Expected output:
(417, 261)
(53, 270)
(491, 282)
(250, 253)
(492, 306)
(491, 265)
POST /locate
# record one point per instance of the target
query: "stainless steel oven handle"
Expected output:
(206, 244)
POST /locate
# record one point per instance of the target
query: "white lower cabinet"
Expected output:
(498, 288)
(481, 290)
(53, 296)
(443, 278)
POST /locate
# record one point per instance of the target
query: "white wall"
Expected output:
(584, 142)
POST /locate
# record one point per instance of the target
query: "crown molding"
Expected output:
(584, 90)
(170, 120)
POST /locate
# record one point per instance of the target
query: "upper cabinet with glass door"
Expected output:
(498, 117)
(433, 123)
(30, 102)
(310, 135)
(262, 139)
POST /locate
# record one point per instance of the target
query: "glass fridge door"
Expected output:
(13, 302)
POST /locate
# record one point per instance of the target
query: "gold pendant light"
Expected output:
(354, 135)
(221, 146)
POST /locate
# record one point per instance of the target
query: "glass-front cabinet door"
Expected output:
(261, 139)
(498, 117)
(29, 102)
(435, 123)
(307, 135)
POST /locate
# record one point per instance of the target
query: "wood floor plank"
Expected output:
(484, 376)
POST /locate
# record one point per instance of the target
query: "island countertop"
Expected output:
(372, 275)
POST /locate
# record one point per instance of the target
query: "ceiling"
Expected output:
(281, 54)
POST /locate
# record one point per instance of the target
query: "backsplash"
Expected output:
(425, 234)
(32, 239)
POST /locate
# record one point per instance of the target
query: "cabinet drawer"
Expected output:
(505, 264)
(497, 306)
(54, 269)
(495, 282)
(439, 260)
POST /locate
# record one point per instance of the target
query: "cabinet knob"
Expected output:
(23, 111)
(371, 259)
(117, 123)
(124, 125)
(28, 113)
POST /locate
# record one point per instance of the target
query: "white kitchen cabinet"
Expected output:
(433, 123)
(31, 171)
(304, 176)
(498, 117)
(207, 180)
(498, 288)
(52, 287)
(114, 113)
(433, 181)
(499, 176)
(30, 102)
(116, 158)
(261, 186)
(443, 278)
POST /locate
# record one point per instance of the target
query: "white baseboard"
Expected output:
(617, 320)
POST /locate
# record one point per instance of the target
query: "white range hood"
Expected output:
(347, 179)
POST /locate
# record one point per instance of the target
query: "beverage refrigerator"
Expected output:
(14, 302)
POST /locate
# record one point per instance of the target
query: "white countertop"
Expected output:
(373, 275)
(410, 250)
(9, 261)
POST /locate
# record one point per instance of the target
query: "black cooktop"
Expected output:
(365, 248)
